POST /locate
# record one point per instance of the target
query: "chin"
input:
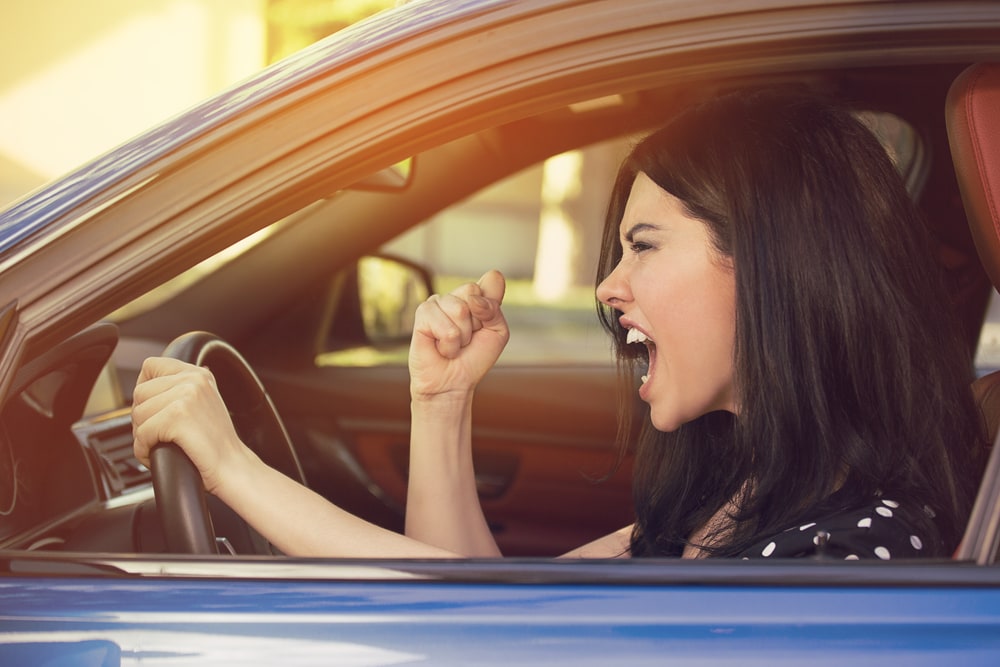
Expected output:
(666, 423)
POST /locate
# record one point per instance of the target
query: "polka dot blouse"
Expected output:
(878, 530)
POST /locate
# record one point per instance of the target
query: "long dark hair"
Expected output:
(850, 378)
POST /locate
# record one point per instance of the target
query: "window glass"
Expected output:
(542, 229)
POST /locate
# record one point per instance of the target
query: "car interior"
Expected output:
(973, 122)
(550, 471)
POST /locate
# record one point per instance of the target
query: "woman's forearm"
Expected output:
(300, 522)
(442, 505)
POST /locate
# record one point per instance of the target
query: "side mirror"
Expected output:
(389, 290)
(375, 301)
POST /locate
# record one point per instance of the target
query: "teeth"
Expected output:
(645, 379)
(636, 336)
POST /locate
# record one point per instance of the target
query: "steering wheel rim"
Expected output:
(181, 499)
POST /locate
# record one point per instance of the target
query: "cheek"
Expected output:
(695, 307)
(695, 333)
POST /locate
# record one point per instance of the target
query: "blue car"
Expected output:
(289, 226)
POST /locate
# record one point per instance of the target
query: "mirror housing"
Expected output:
(389, 290)
(376, 301)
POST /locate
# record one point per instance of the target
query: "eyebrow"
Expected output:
(640, 227)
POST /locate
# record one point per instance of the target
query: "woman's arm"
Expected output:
(178, 402)
(457, 339)
(442, 503)
(613, 545)
(300, 522)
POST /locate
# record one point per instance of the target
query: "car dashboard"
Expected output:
(70, 482)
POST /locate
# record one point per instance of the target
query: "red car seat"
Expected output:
(972, 114)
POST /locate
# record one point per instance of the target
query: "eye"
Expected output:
(639, 246)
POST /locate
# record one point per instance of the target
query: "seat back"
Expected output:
(972, 114)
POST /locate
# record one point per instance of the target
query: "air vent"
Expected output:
(114, 449)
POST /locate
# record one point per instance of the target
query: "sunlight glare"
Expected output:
(557, 236)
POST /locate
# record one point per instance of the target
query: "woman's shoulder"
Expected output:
(884, 529)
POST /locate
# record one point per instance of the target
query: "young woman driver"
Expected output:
(766, 275)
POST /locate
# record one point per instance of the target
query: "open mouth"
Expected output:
(635, 336)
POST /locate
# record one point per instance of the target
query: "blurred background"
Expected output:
(80, 78)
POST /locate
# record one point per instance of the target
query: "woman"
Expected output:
(848, 414)
(806, 396)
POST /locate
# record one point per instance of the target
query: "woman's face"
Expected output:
(676, 293)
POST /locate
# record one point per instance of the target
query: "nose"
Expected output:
(614, 290)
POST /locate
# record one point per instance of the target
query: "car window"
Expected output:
(542, 229)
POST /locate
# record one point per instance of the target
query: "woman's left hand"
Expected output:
(178, 402)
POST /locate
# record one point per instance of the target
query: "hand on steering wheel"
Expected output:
(177, 483)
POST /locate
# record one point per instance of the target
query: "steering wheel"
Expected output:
(181, 500)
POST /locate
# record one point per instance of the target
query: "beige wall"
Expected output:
(79, 78)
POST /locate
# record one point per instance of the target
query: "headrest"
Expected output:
(972, 112)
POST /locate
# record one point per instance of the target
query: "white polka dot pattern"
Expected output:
(880, 530)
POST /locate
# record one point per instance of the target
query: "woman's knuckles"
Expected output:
(455, 305)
